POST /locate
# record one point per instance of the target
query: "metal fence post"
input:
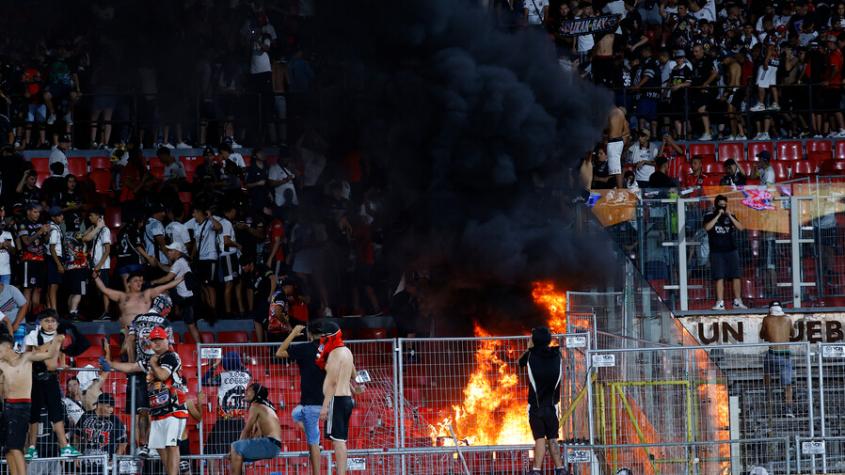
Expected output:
(795, 249)
(397, 396)
(400, 402)
(202, 462)
(822, 424)
(133, 416)
(682, 254)
(590, 415)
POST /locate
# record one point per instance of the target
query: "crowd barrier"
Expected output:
(84, 465)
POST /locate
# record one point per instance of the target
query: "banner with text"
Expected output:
(727, 329)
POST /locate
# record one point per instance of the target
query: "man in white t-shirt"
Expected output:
(7, 248)
(154, 240)
(175, 231)
(13, 306)
(536, 12)
(642, 155)
(57, 153)
(227, 153)
(229, 250)
(55, 256)
(280, 178)
(204, 228)
(98, 237)
(176, 253)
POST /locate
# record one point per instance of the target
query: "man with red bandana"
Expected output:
(337, 361)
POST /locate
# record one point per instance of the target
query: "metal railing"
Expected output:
(791, 249)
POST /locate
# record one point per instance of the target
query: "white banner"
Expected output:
(727, 329)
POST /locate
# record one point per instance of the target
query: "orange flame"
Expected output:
(493, 408)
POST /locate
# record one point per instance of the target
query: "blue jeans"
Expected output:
(309, 416)
(262, 448)
(6, 279)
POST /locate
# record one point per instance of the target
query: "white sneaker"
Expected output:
(741, 137)
(818, 136)
(758, 136)
(760, 107)
(167, 145)
(720, 305)
(841, 133)
(327, 312)
(774, 107)
(730, 138)
(51, 120)
(705, 137)
(183, 145)
(763, 136)
(236, 145)
(738, 303)
(69, 119)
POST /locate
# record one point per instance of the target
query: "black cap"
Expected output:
(324, 327)
(730, 162)
(105, 398)
(65, 138)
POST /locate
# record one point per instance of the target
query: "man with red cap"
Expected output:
(166, 393)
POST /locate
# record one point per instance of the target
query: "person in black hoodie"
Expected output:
(544, 373)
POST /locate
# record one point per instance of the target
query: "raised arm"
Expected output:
(156, 291)
(282, 352)
(113, 295)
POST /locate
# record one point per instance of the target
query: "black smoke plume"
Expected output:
(475, 131)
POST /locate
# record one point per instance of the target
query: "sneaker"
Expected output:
(758, 136)
(760, 107)
(790, 411)
(763, 136)
(328, 312)
(183, 145)
(741, 137)
(105, 316)
(236, 145)
(730, 138)
(720, 305)
(31, 454)
(738, 303)
(143, 451)
(774, 107)
(705, 137)
(167, 145)
(70, 451)
(841, 133)
(535, 471)
(69, 119)
(51, 120)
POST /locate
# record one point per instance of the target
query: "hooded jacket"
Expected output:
(544, 376)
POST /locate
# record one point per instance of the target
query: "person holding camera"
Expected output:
(721, 226)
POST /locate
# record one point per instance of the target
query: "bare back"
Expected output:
(133, 304)
(266, 422)
(617, 124)
(340, 365)
(17, 377)
(776, 330)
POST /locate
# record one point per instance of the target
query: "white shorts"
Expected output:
(614, 157)
(166, 432)
(767, 77)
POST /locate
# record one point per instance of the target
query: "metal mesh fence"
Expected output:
(87, 465)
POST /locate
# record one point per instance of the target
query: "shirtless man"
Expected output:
(337, 361)
(134, 301)
(262, 420)
(777, 328)
(618, 135)
(17, 374)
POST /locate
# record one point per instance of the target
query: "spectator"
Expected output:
(256, 180)
(57, 154)
(32, 235)
(180, 270)
(28, 191)
(7, 249)
(777, 328)
(721, 227)
(767, 75)
(99, 237)
(263, 289)
(833, 84)
(733, 175)
(72, 402)
(536, 12)
(101, 432)
(659, 179)
(765, 172)
(680, 79)
(70, 200)
(57, 259)
(229, 249)
(204, 229)
(697, 176)
(131, 255)
(154, 237)
(705, 72)
(602, 179)
(280, 178)
(174, 172)
(13, 307)
(642, 155)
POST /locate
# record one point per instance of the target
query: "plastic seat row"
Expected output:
(786, 150)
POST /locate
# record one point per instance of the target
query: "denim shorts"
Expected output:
(309, 416)
(778, 364)
(262, 448)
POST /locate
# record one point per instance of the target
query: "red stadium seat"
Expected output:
(832, 167)
(191, 164)
(206, 337)
(839, 150)
(112, 217)
(156, 168)
(42, 166)
(188, 354)
(372, 333)
(782, 170)
(754, 148)
(233, 337)
(703, 149)
(100, 163)
(731, 150)
(819, 145)
(711, 166)
(77, 166)
(749, 169)
(712, 180)
(819, 156)
(102, 180)
(803, 168)
(788, 150)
